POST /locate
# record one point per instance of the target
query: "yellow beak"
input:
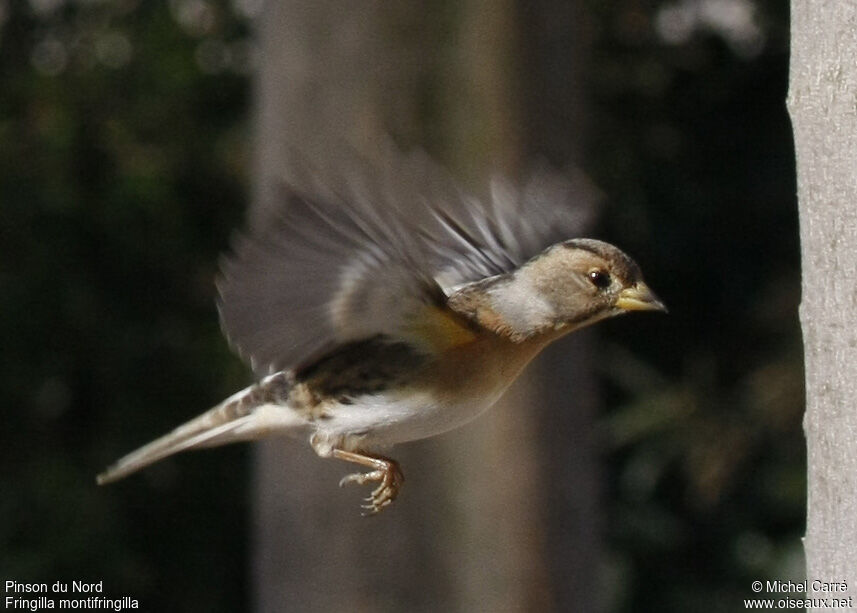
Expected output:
(639, 297)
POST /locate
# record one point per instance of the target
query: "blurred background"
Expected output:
(661, 466)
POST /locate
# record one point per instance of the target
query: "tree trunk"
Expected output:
(484, 522)
(555, 49)
(823, 106)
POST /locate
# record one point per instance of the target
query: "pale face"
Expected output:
(568, 286)
(586, 280)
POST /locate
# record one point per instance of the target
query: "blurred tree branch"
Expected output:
(498, 516)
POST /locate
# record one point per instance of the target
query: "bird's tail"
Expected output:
(256, 411)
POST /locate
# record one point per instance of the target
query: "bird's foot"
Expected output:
(387, 473)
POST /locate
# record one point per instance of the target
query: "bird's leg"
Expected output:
(386, 472)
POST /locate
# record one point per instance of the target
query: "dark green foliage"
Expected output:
(694, 149)
(120, 186)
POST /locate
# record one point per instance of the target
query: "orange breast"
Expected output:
(486, 365)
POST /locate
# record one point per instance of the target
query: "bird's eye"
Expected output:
(599, 278)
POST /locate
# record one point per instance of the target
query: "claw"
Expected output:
(387, 473)
(361, 478)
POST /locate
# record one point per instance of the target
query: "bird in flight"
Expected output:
(381, 304)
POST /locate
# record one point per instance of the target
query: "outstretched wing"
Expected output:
(515, 223)
(335, 266)
(374, 250)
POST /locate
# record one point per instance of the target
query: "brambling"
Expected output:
(383, 305)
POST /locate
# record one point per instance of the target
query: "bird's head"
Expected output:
(570, 285)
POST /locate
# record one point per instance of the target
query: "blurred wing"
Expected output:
(515, 224)
(331, 268)
(374, 249)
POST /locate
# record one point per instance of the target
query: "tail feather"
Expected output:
(252, 413)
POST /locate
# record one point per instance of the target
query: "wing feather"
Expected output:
(362, 250)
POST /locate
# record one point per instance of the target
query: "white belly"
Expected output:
(468, 382)
(378, 421)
